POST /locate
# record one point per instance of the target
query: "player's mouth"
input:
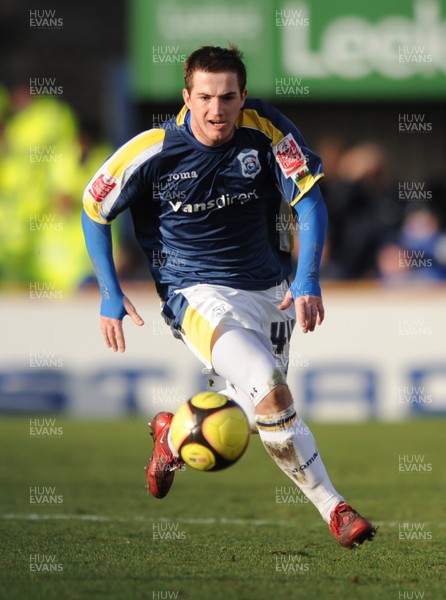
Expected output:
(218, 125)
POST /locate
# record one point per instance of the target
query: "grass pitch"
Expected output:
(76, 521)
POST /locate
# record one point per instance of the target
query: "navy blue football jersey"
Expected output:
(210, 214)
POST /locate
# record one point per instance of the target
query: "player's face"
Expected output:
(214, 102)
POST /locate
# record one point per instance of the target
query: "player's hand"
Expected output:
(309, 310)
(112, 328)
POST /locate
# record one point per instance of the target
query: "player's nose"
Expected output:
(216, 107)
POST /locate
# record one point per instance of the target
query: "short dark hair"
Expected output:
(213, 59)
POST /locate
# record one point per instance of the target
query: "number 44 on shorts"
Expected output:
(280, 334)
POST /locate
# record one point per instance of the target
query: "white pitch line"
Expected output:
(188, 521)
(103, 518)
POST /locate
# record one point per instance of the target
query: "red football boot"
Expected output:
(163, 464)
(348, 527)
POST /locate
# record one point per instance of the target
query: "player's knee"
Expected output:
(277, 400)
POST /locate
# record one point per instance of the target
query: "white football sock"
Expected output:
(291, 445)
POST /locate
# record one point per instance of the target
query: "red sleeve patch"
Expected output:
(289, 156)
(102, 186)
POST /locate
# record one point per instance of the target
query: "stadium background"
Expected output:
(366, 85)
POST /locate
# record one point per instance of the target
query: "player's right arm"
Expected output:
(116, 185)
(115, 305)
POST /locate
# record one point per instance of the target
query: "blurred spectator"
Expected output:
(437, 186)
(424, 245)
(418, 252)
(391, 269)
(362, 207)
(44, 167)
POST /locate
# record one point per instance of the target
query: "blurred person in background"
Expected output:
(390, 270)
(423, 245)
(416, 253)
(44, 164)
(362, 208)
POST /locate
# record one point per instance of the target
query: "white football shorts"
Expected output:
(241, 335)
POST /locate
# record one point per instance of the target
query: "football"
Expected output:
(210, 431)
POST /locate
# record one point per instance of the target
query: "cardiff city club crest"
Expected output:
(250, 163)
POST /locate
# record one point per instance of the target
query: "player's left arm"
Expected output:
(297, 170)
(305, 291)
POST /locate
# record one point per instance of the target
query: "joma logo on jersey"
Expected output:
(102, 186)
(180, 176)
(219, 202)
(250, 163)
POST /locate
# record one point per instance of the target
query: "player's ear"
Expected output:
(244, 96)
(186, 97)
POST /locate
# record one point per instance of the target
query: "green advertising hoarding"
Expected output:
(319, 49)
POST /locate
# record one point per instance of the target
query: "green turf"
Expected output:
(241, 534)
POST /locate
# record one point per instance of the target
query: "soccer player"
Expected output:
(210, 193)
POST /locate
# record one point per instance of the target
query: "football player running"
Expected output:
(210, 192)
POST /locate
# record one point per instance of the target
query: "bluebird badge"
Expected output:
(250, 163)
